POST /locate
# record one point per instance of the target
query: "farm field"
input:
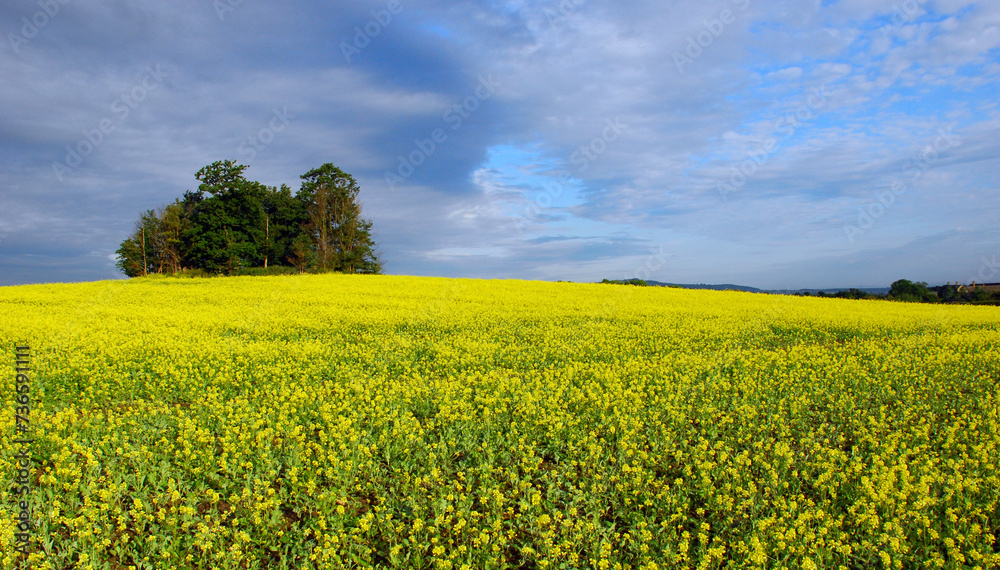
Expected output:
(378, 421)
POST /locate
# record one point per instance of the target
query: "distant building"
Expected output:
(988, 287)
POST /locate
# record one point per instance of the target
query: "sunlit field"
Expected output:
(359, 421)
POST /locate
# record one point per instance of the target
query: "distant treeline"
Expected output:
(232, 225)
(902, 290)
(636, 282)
(919, 292)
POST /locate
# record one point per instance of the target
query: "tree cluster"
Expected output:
(231, 225)
(634, 281)
(919, 292)
(902, 290)
(972, 295)
(848, 294)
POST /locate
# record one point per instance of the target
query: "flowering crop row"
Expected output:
(357, 421)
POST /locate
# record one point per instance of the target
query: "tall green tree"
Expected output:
(228, 225)
(906, 290)
(341, 237)
(284, 217)
(173, 223)
(144, 251)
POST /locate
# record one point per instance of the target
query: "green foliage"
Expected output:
(221, 177)
(910, 292)
(235, 226)
(268, 271)
(633, 281)
(854, 294)
(226, 230)
(341, 237)
(148, 249)
(975, 295)
(284, 218)
(905, 290)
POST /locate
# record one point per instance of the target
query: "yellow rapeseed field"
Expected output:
(358, 421)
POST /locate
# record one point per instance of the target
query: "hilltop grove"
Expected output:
(232, 225)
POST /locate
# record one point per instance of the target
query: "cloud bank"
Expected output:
(777, 145)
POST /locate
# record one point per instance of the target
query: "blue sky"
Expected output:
(774, 144)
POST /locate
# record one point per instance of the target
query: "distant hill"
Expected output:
(732, 287)
(872, 290)
(901, 290)
(723, 287)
